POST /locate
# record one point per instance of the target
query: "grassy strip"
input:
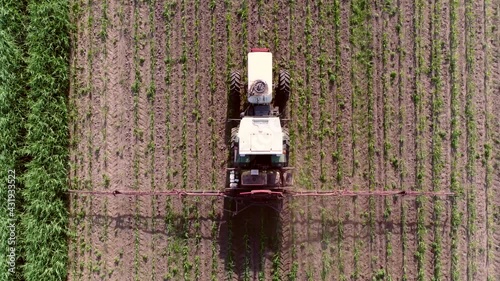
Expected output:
(455, 186)
(12, 112)
(45, 216)
(437, 136)
(471, 133)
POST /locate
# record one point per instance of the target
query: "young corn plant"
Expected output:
(420, 153)
(167, 15)
(471, 139)
(211, 120)
(183, 60)
(151, 94)
(335, 79)
(437, 136)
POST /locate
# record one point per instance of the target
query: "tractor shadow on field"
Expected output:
(251, 238)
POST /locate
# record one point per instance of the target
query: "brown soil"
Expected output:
(148, 102)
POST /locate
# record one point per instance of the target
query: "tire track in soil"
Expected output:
(144, 232)
(494, 98)
(495, 103)
(479, 183)
(120, 130)
(97, 141)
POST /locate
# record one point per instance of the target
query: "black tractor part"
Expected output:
(235, 94)
(282, 92)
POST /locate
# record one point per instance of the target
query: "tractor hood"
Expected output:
(260, 136)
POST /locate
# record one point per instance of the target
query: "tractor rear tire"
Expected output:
(283, 91)
(235, 94)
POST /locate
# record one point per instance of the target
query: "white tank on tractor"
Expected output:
(260, 143)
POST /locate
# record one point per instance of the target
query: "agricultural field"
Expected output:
(133, 96)
(387, 95)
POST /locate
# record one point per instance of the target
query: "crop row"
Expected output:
(437, 136)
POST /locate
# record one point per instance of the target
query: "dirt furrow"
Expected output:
(479, 182)
(120, 102)
(461, 166)
(97, 142)
(494, 98)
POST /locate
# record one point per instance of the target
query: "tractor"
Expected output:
(260, 143)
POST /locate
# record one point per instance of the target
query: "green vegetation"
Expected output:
(334, 78)
(455, 183)
(471, 140)
(44, 219)
(437, 136)
(151, 94)
(418, 99)
(12, 112)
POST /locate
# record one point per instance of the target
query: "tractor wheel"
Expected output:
(283, 91)
(283, 236)
(235, 94)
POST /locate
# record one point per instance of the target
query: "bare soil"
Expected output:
(148, 108)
